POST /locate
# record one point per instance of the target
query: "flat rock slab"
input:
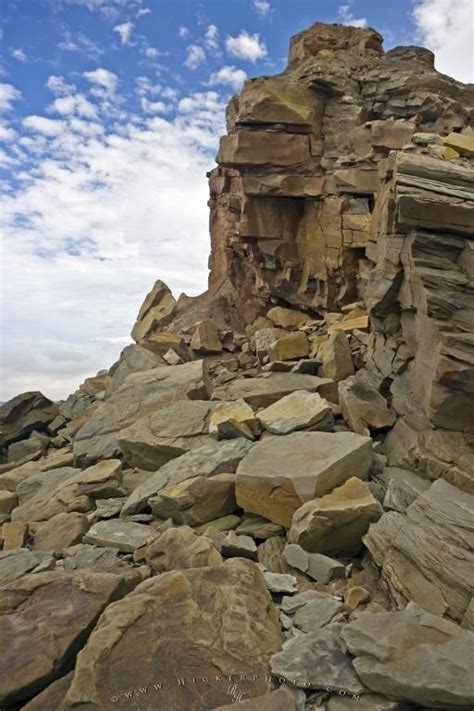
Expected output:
(279, 474)
(125, 536)
(205, 461)
(16, 563)
(265, 390)
(412, 655)
(196, 501)
(202, 622)
(44, 621)
(317, 660)
(298, 411)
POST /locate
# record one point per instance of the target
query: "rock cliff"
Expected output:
(267, 502)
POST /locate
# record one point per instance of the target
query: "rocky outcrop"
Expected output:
(289, 457)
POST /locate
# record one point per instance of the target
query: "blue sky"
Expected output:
(110, 113)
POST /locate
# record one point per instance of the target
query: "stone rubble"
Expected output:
(271, 492)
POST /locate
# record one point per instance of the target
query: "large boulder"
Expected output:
(427, 554)
(172, 631)
(279, 474)
(140, 394)
(335, 523)
(155, 311)
(23, 414)
(61, 531)
(155, 439)
(45, 619)
(205, 461)
(265, 390)
(37, 499)
(414, 656)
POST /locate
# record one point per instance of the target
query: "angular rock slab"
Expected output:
(263, 391)
(317, 660)
(412, 655)
(427, 555)
(202, 622)
(125, 536)
(44, 620)
(300, 410)
(204, 461)
(279, 474)
(335, 523)
(196, 501)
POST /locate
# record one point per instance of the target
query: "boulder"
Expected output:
(37, 494)
(412, 655)
(298, 411)
(8, 501)
(125, 536)
(335, 523)
(155, 439)
(265, 390)
(287, 318)
(197, 500)
(290, 347)
(270, 555)
(140, 394)
(162, 342)
(177, 549)
(44, 620)
(363, 407)
(204, 461)
(317, 566)
(205, 338)
(426, 555)
(335, 355)
(204, 622)
(233, 419)
(61, 531)
(133, 359)
(14, 534)
(463, 143)
(237, 545)
(279, 583)
(403, 487)
(23, 414)
(155, 311)
(279, 474)
(16, 563)
(317, 660)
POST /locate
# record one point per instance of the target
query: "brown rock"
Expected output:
(177, 549)
(206, 337)
(23, 414)
(291, 347)
(287, 318)
(61, 531)
(363, 407)
(14, 534)
(336, 357)
(155, 311)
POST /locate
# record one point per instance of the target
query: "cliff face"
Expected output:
(347, 178)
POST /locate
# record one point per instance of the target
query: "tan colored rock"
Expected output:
(61, 531)
(155, 311)
(355, 596)
(43, 620)
(267, 389)
(206, 337)
(335, 523)
(279, 474)
(196, 501)
(363, 407)
(125, 536)
(160, 343)
(233, 419)
(249, 147)
(8, 501)
(291, 347)
(300, 410)
(23, 414)
(14, 534)
(287, 318)
(185, 618)
(336, 357)
(463, 143)
(177, 549)
(155, 439)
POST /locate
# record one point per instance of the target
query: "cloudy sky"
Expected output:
(110, 113)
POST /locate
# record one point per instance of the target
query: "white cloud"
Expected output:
(263, 7)
(211, 38)
(124, 30)
(183, 32)
(79, 43)
(7, 133)
(41, 124)
(228, 75)
(144, 11)
(246, 46)
(18, 54)
(73, 104)
(195, 56)
(151, 52)
(153, 107)
(98, 220)
(105, 82)
(346, 17)
(445, 27)
(58, 85)
(8, 94)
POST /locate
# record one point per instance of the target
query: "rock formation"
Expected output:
(268, 501)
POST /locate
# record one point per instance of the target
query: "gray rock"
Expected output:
(316, 660)
(403, 488)
(239, 546)
(16, 563)
(258, 527)
(317, 566)
(125, 536)
(363, 407)
(297, 411)
(36, 494)
(280, 583)
(318, 612)
(412, 655)
(207, 460)
(265, 390)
